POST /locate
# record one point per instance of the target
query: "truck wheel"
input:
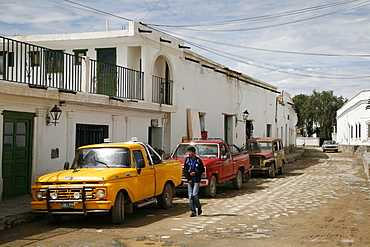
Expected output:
(54, 219)
(164, 200)
(211, 189)
(238, 180)
(118, 209)
(272, 172)
(247, 176)
(281, 169)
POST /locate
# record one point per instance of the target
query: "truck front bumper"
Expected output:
(203, 183)
(65, 204)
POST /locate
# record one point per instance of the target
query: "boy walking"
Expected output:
(193, 169)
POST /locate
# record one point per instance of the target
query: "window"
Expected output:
(351, 131)
(34, 58)
(78, 55)
(138, 159)
(2, 62)
(368, 130)
(359, 130)
(11, 59)
(268, 130)
(54, 61)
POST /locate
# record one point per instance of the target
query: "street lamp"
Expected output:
(245, 115)
(55, 113)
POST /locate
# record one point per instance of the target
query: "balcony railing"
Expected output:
(42, 68)
(38, 66)
(162, 90)
(115, 80)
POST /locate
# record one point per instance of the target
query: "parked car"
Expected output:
(266, 155)
(221, 161)
(108, 178)
(329, 145)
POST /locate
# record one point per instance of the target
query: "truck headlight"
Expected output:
(100, 193)
(53, 195)
(39, 195)
(76, 195)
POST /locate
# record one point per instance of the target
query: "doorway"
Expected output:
(106, 71)
(17, 153)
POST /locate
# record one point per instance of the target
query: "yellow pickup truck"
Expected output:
(108, 178)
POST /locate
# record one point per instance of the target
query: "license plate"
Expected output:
(68, 205)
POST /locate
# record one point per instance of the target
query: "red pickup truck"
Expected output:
(221, 161)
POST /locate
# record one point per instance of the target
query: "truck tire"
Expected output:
(272, 173)
(211, 189)
(118, 209)
(238, 180)
(164, 200)
(247, 176)
(281, 169)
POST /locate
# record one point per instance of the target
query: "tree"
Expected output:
(317, 112)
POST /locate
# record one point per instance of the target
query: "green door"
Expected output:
(106, 70)
(17, 153)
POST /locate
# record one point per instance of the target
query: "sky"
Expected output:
(297, 45)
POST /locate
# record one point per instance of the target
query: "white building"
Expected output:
(128, 83)
(353, 123)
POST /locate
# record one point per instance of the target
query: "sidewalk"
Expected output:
(17, 210)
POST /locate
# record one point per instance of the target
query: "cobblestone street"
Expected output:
(323, 199)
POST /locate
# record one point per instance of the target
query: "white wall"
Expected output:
(354, 114)
(212, 93)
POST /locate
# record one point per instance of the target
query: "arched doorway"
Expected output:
(162, 82)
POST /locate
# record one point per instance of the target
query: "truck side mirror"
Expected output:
(66, 166)
(140, 163)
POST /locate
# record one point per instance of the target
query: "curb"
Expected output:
(10, 221)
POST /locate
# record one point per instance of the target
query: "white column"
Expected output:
(38, 143)
(85, 70)
(70, 138)
(114, 133)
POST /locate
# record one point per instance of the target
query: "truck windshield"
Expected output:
(258, 146)
(102, 157)
(202, 150)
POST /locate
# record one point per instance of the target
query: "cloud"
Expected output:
(341, 33)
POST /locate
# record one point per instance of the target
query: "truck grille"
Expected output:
(68, 193)
(256, 160)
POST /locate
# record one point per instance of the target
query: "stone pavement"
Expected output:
(17, 210)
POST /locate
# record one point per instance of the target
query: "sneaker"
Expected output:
(200, 211)
(193, 215)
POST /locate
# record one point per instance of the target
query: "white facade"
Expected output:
(217, 95)
(353, 120)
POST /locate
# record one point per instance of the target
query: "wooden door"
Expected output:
(17, 153)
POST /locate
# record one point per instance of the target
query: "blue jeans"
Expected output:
(193, 190)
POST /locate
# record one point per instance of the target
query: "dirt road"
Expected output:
(323, 199)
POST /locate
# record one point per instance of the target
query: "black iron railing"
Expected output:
(113, 80)
(38, 66)
(42, 68)
(162, 90)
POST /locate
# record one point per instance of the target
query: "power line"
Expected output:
(150, 10)
(262, 49)
(278, 69)
(233, 57)
(98, 10)
(266, 26)
(263, 17)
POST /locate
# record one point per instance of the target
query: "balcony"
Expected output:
(40, 67)
(162, 90)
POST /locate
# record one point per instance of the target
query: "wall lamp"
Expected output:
(55, 113)
(245, 117)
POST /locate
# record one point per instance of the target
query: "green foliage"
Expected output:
(317, 112)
